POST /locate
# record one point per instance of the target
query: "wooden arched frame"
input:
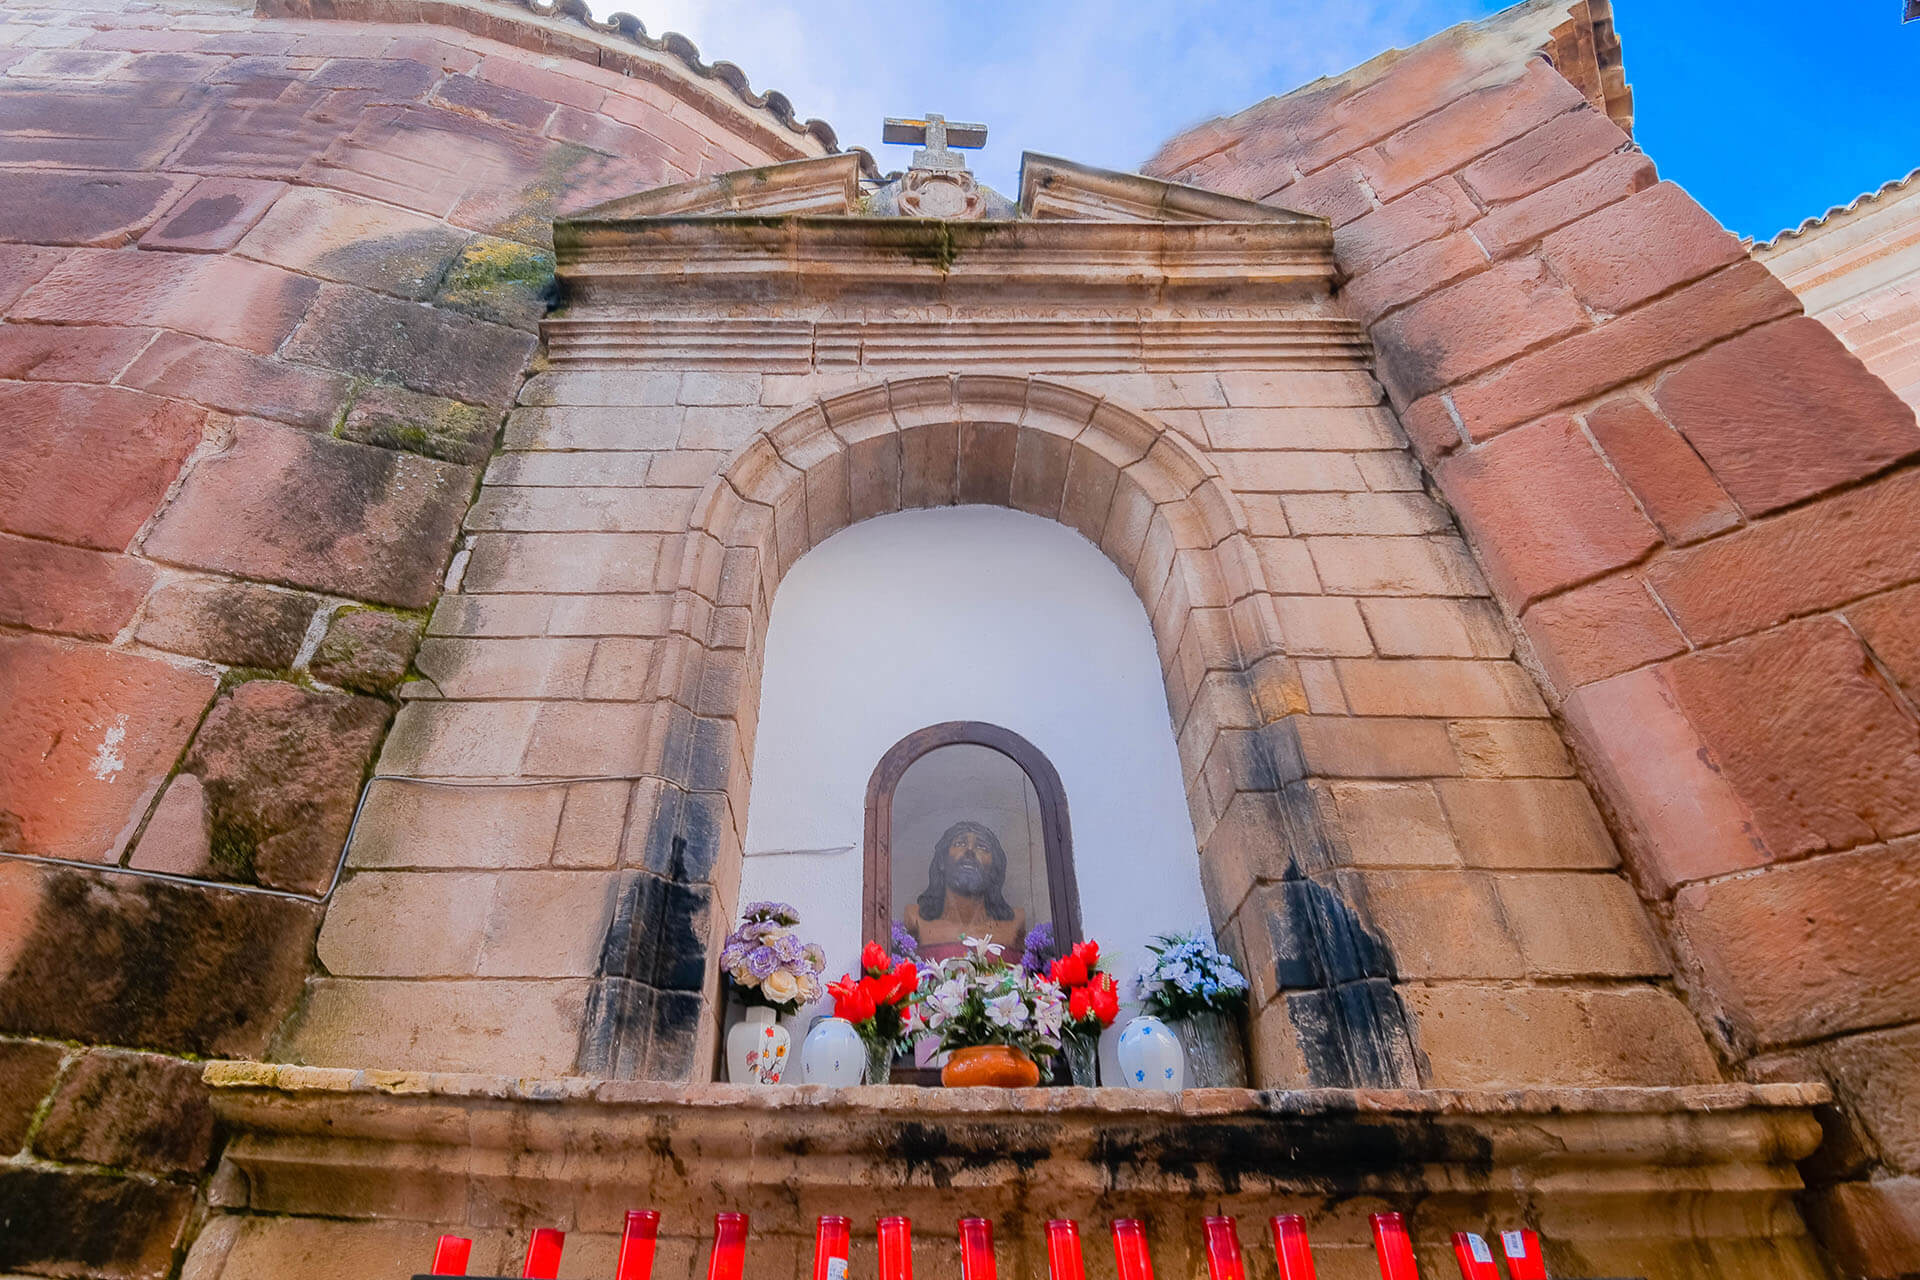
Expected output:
(1063, 893)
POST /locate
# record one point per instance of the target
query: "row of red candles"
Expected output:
(833, 1237)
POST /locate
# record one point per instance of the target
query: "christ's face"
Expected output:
(969, 864)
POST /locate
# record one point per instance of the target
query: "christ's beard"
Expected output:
(968, 877)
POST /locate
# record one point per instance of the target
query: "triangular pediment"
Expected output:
(1054, 188)
(1051, 189)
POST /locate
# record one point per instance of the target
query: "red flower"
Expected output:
(1105, 998)
(1070, 971)
(1079, 1005)
(874, 959)
(906, 978)
(1087, 953)
(851, 1000)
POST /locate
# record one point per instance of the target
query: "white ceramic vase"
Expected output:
(832, 1053)
(1151, 1057)
(757, 1048)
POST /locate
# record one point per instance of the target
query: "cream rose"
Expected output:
(781, 986)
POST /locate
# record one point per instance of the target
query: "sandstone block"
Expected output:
(1478, 1036)
(1436, 566)
(1297, 389)
(1675, 488)
(88, 465)
(459, 739)
(1785, 412)
(340, 237)
(1624, 348)
(27, 1072)
(1512, 227)
(1364, 513)
(1470, 125)
(1414, 274)
(1808, 734)
(1573, 926)
(1809, 949)
(366, 650)
(406, 924)
(1461, 330)
(1877, 1074)
(136, 960)
(312, 512)
(260, 304)
(1510, 749)
(91, 733)
(21, 265)
(69, 352)
(547, 924)
(1514, 823)
(532, 667)
(1599, 630)
(106, 209)
(1420, 627)
(1348, 427)
(281, 767)
(1438, 924)
(588, 739)
(1393, 824)
(514, 1028)
(1341, 746)
(502, 281)
(138, 1111)
(1873, 1228)
(1321, 625)
(1397, 226)
(1644, 245)
(237, 623)
(185, 368)
(1822, 555)
(1438, 687)
(175, 839)
(1291, 471)
(409, 825)
(395, 418)
(1562, 146)
(213, 216)
(45, 586)
(1544, 509)
(125, 1228)
(1890, 624)
(419, 347)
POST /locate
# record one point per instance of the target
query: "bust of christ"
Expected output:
(965, 895)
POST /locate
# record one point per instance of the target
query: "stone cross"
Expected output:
(936, 135)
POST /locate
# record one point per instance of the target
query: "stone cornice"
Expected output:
(688, 260)
(310, 1140)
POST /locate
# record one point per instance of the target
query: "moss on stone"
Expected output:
(506, 281)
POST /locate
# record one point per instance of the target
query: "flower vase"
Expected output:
(832, 1054)
(1212, 1044)
(1151, 1057)
(996, 1065)
(1083, 1056)
(879, 1069)
(757, 1048)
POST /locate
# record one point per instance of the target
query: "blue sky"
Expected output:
(1768, 112)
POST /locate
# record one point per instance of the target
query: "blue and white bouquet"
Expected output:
(768, 964)
(1188, 975)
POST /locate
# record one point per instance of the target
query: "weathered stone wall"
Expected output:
(1857, 271)
(268, 287)
(1700, 508)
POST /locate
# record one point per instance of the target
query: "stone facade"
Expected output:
(1436, 436)
(1857, 270)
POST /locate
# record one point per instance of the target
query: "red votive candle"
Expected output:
(976, 1249)
(450, 1256)
(636, 1245)
(896, 1248)
(1524, 1259)
(729, 1257)
(1390, 1241)
(1223, 1250)
(1475, 1259)
(1130, 1256)
(1063, 1250)
(543, 1254)
(832, 1238)
(1290, 1247)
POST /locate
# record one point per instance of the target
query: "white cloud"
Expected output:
(1091, 80)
